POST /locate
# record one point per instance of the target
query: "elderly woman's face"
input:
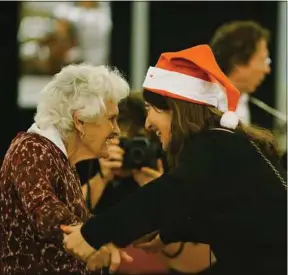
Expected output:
(98, 134)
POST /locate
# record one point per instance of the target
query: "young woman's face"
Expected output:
(159, 121)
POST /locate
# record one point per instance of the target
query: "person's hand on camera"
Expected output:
(113, 162)
(147, 174)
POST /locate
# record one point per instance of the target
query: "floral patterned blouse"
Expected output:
(40, 190)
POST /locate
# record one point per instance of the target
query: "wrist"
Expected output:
(173, 253)
(105, 177)
(97, 182)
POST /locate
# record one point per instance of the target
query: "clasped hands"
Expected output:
(108, 255)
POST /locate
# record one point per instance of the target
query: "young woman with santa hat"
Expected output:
(226, 187)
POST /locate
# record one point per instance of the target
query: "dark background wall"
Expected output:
(173, 26)
(179, 25)
(9, 116)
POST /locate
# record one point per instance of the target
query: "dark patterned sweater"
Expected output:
(40, 190)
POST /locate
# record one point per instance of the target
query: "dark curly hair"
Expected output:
(132, 113)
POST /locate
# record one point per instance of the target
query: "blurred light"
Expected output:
(34, 27)
(29, 50)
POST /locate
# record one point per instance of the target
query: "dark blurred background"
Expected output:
(170, 26)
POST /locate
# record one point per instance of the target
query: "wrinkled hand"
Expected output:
(108, 255)
(113, 162)
(75, 244)
(147, 174)
(155, 245)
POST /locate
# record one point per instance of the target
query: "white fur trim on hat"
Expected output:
(229, 120)
(183, 85)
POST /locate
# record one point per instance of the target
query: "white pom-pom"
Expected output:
(229, 120)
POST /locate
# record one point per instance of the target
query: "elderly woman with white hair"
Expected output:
(40, 189)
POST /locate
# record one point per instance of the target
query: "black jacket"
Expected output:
(222, 193)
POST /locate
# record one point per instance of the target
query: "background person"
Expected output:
(241, 50)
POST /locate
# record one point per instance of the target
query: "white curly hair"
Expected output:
(83, 88)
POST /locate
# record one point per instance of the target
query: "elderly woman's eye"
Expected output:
(112, 118)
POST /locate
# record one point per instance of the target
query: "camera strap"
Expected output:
(259, 151)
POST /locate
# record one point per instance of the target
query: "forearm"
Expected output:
(97, 187)
(93, 190)
(186, 230)
(159, 206)
(194, 258)
(48, 218)
(45, 211)
(173, 250)
(139, 214)
(84, 188)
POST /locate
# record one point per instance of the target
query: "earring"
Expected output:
(82, 134)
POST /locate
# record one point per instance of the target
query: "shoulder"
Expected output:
(217, 142)
(30, 147)
(212, 154)
(216, 151)
(25, 141)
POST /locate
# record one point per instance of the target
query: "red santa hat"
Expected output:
(193, 75)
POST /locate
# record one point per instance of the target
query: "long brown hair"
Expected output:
(188, 119)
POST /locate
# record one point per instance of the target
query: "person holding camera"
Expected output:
(134, 160)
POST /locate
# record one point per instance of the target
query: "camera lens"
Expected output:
(137, 155)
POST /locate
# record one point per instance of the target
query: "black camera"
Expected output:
(140, 152)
